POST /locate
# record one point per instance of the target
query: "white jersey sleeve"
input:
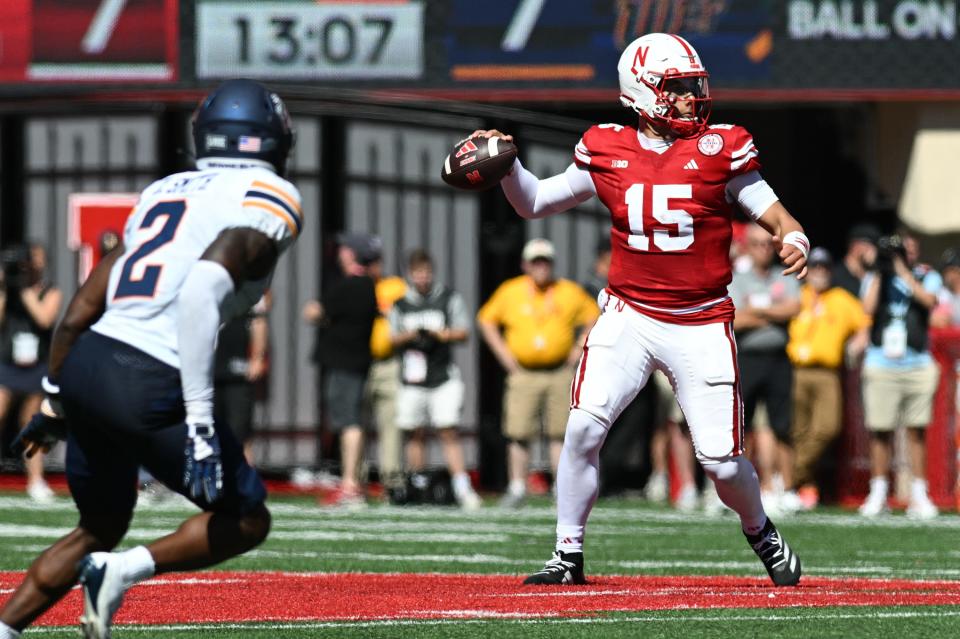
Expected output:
(752, 193)
(534, 198)
(173, 224)
(272, 206)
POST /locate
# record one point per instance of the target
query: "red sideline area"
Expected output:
(278, 596)
(16, 482)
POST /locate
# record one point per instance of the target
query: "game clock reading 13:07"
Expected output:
(309, 40)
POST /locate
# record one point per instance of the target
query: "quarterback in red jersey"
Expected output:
(671, 186)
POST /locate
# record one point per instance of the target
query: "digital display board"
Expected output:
(301, 40)
(88, 40)
(780, 49)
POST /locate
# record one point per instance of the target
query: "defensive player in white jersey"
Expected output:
(670, 185)
(131, 364)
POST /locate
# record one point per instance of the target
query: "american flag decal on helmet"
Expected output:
(248, 144)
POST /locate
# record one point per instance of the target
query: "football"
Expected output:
(477, 164)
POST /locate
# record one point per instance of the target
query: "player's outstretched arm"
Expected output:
(788, 237)
(532, 197)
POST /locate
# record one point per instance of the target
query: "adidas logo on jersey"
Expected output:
(692, 164)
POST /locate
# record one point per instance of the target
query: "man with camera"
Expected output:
(424, 326)
(29, 306)
(899, 375)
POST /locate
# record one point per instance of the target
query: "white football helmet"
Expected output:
(658, 70)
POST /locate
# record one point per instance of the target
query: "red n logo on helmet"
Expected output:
(641, 57)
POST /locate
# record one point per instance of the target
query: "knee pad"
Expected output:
(585, 433)
(725, 469)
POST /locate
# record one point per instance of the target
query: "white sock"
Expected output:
(879, 486)
(578, 478)
(137, 564)
(738, 487)
(918, 490)
(517, 487)
(461, 484)
(6, 632)
(570, 538)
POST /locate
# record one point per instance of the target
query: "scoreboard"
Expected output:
(779, 49)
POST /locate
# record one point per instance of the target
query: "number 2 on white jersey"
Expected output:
(661, 194)
(146, 284)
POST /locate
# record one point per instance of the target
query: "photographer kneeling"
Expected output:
(899, 375)
(29, 307)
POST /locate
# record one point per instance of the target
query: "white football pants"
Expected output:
(621, 352)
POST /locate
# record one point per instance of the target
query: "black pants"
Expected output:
(768, 377)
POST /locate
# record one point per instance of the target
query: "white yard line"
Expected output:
(785, 614)
(516, 520)
(27, 530)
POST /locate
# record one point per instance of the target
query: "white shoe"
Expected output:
(922, 509)
(153, 493)
(40, 492)
(103, 590)
(790, 502)
(874, 506)
(771, 502)
(688, 499)
(657, 489)
(713, 506)
(470, 500)
(512, 501)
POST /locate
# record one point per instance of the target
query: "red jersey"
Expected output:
(671, 230)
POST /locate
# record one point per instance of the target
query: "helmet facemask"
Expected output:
(671, 90)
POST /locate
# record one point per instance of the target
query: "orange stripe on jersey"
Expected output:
(270, 208)
(283, 195)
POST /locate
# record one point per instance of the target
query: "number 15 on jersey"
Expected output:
(670, 219)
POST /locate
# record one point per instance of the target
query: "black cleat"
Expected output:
(563, 568)
(782, 564)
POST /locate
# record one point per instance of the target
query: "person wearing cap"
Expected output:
(543, 319)
(947, 312)
(345, 319)
(831, 324)
(849, 273)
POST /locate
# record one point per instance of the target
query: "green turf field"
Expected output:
(625, 537)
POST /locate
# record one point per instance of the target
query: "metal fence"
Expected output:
(358, 168)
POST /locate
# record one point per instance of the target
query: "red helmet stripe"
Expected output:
(684, 44)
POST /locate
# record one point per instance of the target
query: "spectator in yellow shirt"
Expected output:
(543, 321)
(831, 322)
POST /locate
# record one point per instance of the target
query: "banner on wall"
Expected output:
(89, 40)
(95, 224)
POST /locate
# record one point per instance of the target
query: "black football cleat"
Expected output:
(562, 569)
(782, 564)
